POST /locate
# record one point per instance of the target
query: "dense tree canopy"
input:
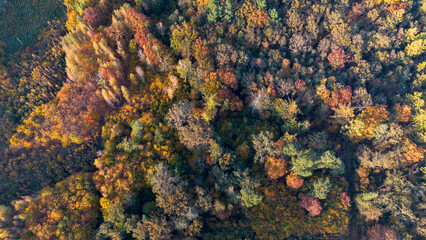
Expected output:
(217, 119)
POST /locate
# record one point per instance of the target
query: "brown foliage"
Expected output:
(254, 14)
(234, 102)
(92, 16)
(202, 54)
(395, 7)
(117, 31)
(356, 11)
(223, 215)
(96, 37)
(338, 58)
(141, 37)
(346, 200)
(381, 232)
(342, 96)
(77, 111)
(275, 167)
(402, 112)
(300, 85)
(310, 204)
(107, 72)
(375, 115)
(243, 152)
(227, 76)
(137, 20)
(294, 181)
(411, 153)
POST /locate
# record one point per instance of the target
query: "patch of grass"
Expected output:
(25, 20)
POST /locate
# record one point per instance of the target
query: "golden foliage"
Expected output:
(202, 3)
(294, 181)
(365, 123)
(275, 167)
(402, 112)
(412, 153)
(67, 211)
(253, 14)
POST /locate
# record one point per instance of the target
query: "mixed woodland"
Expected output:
(213, 119)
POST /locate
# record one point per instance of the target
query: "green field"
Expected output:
(25, 19)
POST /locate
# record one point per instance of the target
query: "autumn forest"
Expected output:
(213, 119)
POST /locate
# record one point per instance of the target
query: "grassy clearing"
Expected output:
(25, 19)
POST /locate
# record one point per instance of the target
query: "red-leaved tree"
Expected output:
(381, 232)
(310, 204)
(338, 58)
(92, 16)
